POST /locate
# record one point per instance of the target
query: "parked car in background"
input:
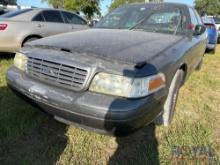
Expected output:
(7, 8)
(119, 76)
(217, 23)
(2, 10)
(94, 22)
(212, 30)
(21, 26)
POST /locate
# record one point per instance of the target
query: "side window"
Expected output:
(52, 16)
(72, 18)
(193, 17)
(39, 17)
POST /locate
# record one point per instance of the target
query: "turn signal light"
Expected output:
(156, 82)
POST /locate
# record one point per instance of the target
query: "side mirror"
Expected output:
(199, 29)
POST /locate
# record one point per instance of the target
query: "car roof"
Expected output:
(172, 4)
(43, 9)
(27, 16)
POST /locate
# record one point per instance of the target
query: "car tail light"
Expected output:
(210, 26)
(3, 26)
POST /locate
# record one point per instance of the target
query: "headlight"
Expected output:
(125, 86)
(20, 61)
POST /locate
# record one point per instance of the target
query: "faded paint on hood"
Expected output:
(121, 45)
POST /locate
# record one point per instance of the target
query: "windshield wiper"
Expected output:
(140, 22)
(177, 27)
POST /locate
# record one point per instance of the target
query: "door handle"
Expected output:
(40, 25)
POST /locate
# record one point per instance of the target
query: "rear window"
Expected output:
(39, 18)
(15, 13)
(208, 20)
(217, 20)
(72, 18)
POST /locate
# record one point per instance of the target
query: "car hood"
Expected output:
(120, 45)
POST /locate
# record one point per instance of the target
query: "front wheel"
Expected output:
(169, 107)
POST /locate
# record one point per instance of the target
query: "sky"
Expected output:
(104, 3)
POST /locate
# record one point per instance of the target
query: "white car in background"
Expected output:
(7, 8)
(21, 26)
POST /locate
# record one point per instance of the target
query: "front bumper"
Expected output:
(101, 113)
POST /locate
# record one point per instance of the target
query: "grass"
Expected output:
(28, 136)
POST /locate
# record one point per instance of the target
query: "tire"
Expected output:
(166, 117)
(29, 40)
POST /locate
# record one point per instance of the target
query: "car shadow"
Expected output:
(27, 136)
(6, 56)
(40, 139)
(140, 148)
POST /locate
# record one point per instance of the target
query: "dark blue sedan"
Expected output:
(117, 77)
(212, 33)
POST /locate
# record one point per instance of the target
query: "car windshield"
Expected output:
(217, 20)
(15, 13)
(158, 18)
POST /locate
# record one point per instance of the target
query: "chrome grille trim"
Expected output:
(65, 75)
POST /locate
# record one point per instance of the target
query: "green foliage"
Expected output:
(117, 3)
(55, 3)
(209, 7)
(87, 7)
(72, 5)
(8, 2)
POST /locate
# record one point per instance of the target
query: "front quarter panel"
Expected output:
(187, 52)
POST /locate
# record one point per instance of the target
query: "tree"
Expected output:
(209, 7)
(117, 3)
(8, 2)
(55, 3)
(87, 7)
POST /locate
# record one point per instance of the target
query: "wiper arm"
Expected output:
(140, 22)
(179, 22)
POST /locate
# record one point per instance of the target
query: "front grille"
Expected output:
(67, 76)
